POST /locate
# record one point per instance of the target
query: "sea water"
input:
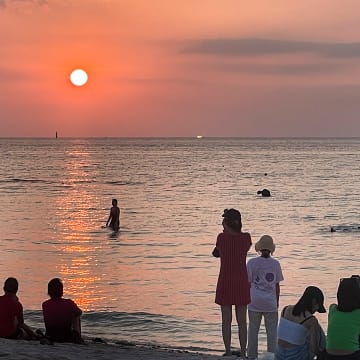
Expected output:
(154, 282)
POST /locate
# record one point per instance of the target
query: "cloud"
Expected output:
(10, 75)
(5, 3)
(281, 69)
(263, 47)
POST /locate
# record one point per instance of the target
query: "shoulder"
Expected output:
(246, 238)
(310, 322)
(220, 238)
(47, 304)
(251, 263)
(357, 314)
(72, 303)
(286, 309)
(67, 301)
(276, 263)
(254, 261)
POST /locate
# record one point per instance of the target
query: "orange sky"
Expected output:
(180, 68)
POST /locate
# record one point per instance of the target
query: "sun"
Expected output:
(78, 77)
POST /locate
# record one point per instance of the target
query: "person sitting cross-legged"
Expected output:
(12, 324)
(61, 316)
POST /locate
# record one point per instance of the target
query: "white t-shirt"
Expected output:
(264, 274)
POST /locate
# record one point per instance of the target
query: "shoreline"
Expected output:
(93, 350)
(28, 350)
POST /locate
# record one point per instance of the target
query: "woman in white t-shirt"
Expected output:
(264, 273)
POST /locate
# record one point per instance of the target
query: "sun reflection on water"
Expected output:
(80, 254)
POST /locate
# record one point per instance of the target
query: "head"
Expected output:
(312, 300)
(11, 285)
(114, 202)
(348, 294)
(55, 288)
(265, 246)
(232, 219)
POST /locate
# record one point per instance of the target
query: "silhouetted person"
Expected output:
(233, 288)
(264, 193)
(114, 217)
(12, 324)
(61, 316)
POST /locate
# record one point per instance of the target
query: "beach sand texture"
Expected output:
(26, 350)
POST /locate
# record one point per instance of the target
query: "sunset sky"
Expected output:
(180, 68)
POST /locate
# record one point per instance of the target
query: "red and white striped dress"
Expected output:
(233, 286)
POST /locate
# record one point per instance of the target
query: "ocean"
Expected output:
(154, 282)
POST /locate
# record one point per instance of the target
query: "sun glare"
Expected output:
(79, 77)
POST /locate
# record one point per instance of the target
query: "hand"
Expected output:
(215, 252)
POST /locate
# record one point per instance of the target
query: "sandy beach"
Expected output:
(22, 350)
(26, 350)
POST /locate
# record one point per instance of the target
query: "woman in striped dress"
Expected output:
(233, 287)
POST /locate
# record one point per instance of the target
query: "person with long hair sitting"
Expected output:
(344, 322)
(300, 336)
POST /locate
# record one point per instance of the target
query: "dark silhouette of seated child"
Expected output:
(61, 316)
(12, 324)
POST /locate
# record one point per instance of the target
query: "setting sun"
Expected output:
(79, 77)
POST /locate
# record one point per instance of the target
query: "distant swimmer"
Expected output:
(345, 228)
(114, 218)
(264, 193)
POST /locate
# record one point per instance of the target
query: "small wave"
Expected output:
(18, 180)
(123, 183)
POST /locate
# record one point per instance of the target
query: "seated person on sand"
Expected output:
(344, 322)
(300, 336)
(12, 324)
(114, 218)
(61, 316)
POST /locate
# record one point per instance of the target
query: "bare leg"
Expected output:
(226, 314)
(28, 332)
(242, 325)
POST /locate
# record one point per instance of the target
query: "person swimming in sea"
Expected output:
(264, 193)
(114, 218)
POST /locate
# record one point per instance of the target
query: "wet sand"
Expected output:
(26, 350)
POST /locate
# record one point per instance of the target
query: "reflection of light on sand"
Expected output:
(78, 264)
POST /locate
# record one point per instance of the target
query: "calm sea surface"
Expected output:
(154, 282)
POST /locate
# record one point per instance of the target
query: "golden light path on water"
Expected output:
(79, 255)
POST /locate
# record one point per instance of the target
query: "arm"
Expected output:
(76, 322)
(29, 332)
(277, 293)
(215, 252)
(317, 336)
(108, 220)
